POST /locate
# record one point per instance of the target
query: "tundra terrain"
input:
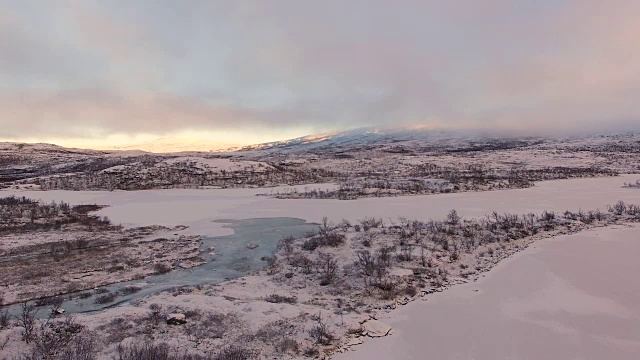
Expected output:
(399, 218)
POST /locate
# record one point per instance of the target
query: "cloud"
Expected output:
(110, 67)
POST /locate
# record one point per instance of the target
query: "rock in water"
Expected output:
(252, 246)
(57, 311)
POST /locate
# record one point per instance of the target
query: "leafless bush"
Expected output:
(277, 299)
(27, 320)
(117, 329)
(156, 314)
(5, 319)
(328, 236)
(410, 291)
(453, 218)
(286, 244)
(106, 298)
(320, 333)
(344, 225)
(375, 266)
(619, 208)
(548, 215)
(406, 252)
(370, 223)
(288, 346)
(235, 352)
(310, 244)
(633, 210)
(83, 347)
(128, 290)
(161, 268)
(151, 351)
(387, 286)
(366, 263)
(332, 239)
(214, 326)
(51, 338)
(146, 351)
(632, 185)
(4, 342)
(302, 262)
(327, 268)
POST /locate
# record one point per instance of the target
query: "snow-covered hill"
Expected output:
(392, 138)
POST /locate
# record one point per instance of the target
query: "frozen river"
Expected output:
(569, 297)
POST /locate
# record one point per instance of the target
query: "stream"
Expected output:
(229, 259)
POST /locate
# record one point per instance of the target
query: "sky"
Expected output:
(246, 71)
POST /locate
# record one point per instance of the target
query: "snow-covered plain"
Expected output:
(198, 208)
(569, 297)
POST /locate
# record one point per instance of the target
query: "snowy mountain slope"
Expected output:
(394, 139)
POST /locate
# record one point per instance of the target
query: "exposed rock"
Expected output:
(176, 319)
(376, 328)
(252, 246)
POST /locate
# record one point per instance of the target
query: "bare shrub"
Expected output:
(302, 262)
(117, 329)
(344, 225)
(277, 299)
(286, 245)
(151, 351)
(235, 352)
(619, 208)
(106, 298)
(333, 239)
(145, 351)
(387, 286)
(310, 244)
(27, 320)
(288, 346)
(370, 223)
(320, 333)
(365, 262)
(214, 326)
(406, 252)
(161, 268)
(83, 347)
(55, 301)
(453, 218)
(327, 268)
(410, 291)
(5, 319)
(156, 314)
(51, 338)
(4, 342)
(128, 290)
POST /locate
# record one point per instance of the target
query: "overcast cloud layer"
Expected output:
(85, 69)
